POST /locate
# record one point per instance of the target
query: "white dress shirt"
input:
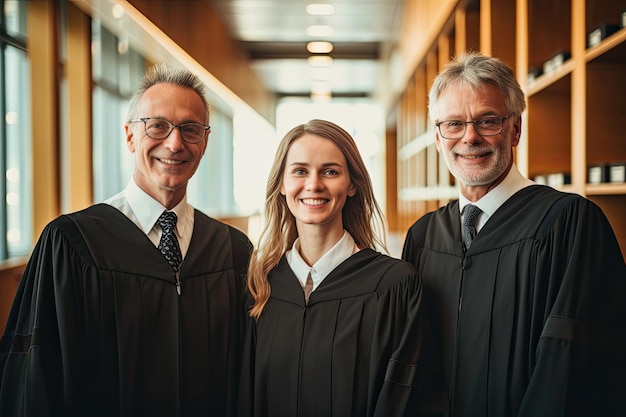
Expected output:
(512, 183)
(144, 211)
(325, 265)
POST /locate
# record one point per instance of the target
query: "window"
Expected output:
(15, 135)
(116, 70)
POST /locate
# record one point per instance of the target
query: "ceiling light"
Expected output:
(323, 31)
(319, 47)
(321, 97)
(320, 61)
(317, 9)
(117, 11)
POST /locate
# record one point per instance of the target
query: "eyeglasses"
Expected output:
(161, 128)
(485, 126)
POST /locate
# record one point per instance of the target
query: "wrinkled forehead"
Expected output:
(163, 99)
(465, 94)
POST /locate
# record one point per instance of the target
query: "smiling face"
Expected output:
(316, 183)
(478, 162)
(163, 167)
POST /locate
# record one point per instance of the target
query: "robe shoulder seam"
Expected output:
(407, 272)
(67, 228)
(555, 211)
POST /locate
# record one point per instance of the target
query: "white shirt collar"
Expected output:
(147, 210)
(341, 251)
(512, 183)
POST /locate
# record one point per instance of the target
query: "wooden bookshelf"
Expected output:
(575, 115)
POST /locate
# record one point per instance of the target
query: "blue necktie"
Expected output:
(168, 245)
(470, 215)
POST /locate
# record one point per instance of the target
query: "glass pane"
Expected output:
(18, 170)
(106, 59)
(15, 17)
(111, 157)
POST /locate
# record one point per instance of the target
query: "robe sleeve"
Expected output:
(246, 383)
(579, 363)
(414, 241)
(38, 373)
(241, 250)
(410, 384)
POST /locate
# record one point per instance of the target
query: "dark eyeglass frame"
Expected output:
(476, 126)
(171, 129)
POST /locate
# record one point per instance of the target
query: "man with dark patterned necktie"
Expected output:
(134, 306)
(530, 317)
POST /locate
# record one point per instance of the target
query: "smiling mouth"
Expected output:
(473, 156)
(314, 201)
(170, 161)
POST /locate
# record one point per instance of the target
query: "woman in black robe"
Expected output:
(357, 345)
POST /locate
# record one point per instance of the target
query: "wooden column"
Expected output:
(78, 72)
(42, 48)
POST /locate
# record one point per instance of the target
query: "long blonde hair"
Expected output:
(362, 217)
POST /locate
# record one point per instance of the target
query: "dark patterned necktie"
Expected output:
(168, 245)
(470, 215)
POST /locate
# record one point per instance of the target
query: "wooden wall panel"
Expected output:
(10, 275)
(42, 48)
(78, 74)
(391, 178)
(197, 28)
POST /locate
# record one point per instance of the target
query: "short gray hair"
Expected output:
(475, 70)
(162, 73)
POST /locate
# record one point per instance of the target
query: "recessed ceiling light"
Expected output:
(321, 97)
(320, 61)
(319, 47)
(324, 31)
(117, 11)
(317, 9)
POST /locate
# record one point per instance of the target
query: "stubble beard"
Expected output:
(486, 174)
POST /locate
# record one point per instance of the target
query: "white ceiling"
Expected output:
(274, 34)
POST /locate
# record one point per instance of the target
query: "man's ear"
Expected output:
(517, 126)
(130, 143)
(437, 140)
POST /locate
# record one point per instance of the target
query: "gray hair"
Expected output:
(475, 70)
(162, 73)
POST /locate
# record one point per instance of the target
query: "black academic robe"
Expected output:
(98, 328)
(531, 320)
(354, 350)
